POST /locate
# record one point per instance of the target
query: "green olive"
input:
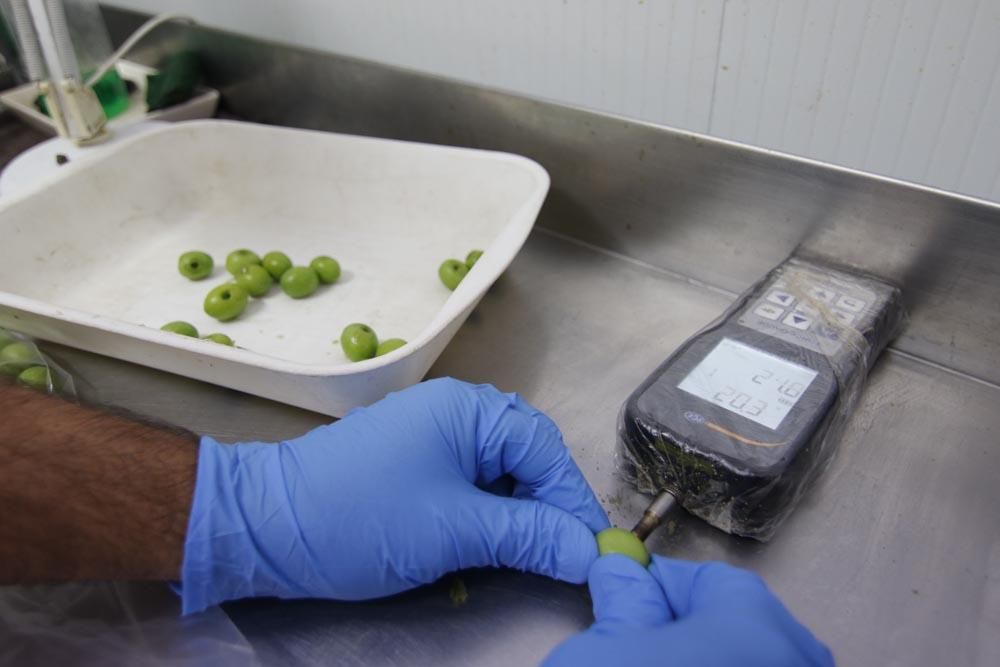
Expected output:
(226, 302)
(38, 377)
(624, 542)
(452, 272)
(473, 257)
(327, 268)
(387, 346)
(180, 327)
(220, 338)
(359, 342)
(240, 258)
(299, 282)
(276, 263)
(6, 338)
(195, 265)
(18, 356)
(254, 279)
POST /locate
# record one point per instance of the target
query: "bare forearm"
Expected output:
(85, 494)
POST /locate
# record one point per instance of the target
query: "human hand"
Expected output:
(386, 499)
(682, 614)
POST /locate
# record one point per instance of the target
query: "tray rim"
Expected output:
(464, 297)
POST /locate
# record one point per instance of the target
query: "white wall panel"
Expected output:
(907, 88)
(944, 52)
(864, 89)
(805, 91)
(974, 74)
(904, 73)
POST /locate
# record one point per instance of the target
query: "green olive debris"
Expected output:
(387, 346)
(299, 282)
(358, 341)
(254, 279)
(473, 257)
(451, 272)
(621, 541)
(16, 357)
(226, 302)
(240, 258)
(327, 268)
(181, 327)
(276, 263)
(195, 265)
(38, 377)
(220, 338)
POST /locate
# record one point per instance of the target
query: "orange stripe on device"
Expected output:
(739, 438)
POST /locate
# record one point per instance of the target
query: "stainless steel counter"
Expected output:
(893, 558)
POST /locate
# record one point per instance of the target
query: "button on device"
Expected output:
(798, 321)
(768, 311)
(843, 318)
(827, 331)
(823, 294)
(850, 304)
(780, 297)
(807, 310)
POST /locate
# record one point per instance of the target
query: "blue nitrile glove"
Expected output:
(682, 614)
(386, 499)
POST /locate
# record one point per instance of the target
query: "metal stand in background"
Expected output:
(45, 43)
(43, 34)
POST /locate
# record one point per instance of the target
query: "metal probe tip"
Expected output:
(654, 515)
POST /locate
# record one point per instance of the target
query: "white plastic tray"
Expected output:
(90, 259)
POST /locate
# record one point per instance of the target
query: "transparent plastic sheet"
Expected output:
(109, 623)
(101, 623)
(21, 359)
(739, 438)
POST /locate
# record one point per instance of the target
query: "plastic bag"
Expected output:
(739, 421)
(20, 358)
(101, 623)
(113, 623)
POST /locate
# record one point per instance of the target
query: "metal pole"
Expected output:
(654, 515)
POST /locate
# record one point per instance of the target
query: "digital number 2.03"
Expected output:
(740, 401)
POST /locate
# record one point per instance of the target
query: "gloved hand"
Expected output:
(682, 614)
(387, 499)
